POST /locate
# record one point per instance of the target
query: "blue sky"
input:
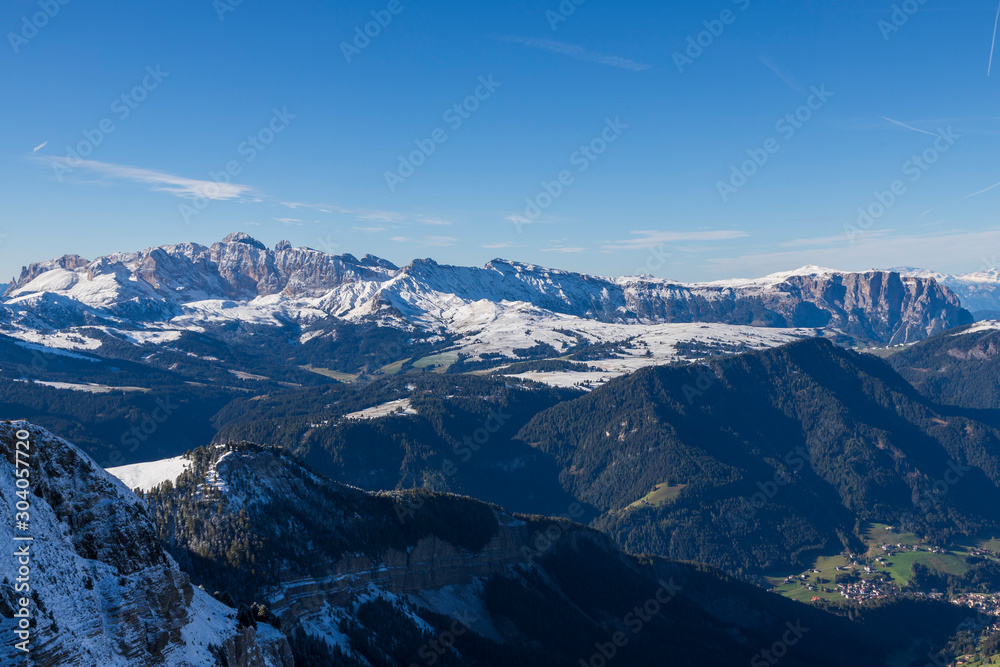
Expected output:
(309, 129)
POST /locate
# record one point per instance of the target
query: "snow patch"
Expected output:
(145, 476)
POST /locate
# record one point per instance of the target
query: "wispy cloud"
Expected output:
(824, 241)
(438, 241)
(577, 52)
(371, 230)
(289, 221)
(518, 220)
(787, 78)
(945, 250)
(565, 250)
(428, 241)
(908, 127)
(158, 181)
(654, 238)
(499, 245)
(365, 214)
(438, 222)
(996, 22)
(379, 216)
(976, 194)
(322, 208)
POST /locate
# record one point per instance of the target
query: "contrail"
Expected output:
(994, 44)
(995, 185)
(38, 148)
(908, 127)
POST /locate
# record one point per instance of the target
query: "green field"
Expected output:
(879, 533)
(394, 367)
(975, 662)
(661, 495)
(827, 565)
(333, 375)
(899, 566)
(440, 361)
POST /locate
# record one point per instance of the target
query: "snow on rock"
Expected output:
(985, 325)
(145, 476)
(103, 590)
(400, 407)
(186, 286)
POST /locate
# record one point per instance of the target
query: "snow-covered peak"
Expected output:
(776, 278)
(243, 237)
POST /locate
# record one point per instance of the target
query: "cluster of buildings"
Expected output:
(984, 603)
(868, 589)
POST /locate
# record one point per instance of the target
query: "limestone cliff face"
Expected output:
(158, 284)
(877, 305)
(102, 590)
(432, 564)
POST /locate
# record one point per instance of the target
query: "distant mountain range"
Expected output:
(979, 291)
(189, 286)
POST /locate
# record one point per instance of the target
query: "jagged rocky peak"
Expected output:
(372, 260)
(32, 271)
(243, 237)
(160, 283)
(95, 563)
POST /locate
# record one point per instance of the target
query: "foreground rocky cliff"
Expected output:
(420, 578)
(98, 587)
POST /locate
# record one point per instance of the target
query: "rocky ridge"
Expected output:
(239, 278)
(102, 589)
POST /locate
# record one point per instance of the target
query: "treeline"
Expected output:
(241, 512)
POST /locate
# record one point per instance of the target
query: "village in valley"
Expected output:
(886, 570)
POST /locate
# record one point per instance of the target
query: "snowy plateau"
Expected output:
(152, 298)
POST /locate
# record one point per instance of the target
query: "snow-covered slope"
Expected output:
(979, 291)
(145, 476)
(190, 287)
(101, 589)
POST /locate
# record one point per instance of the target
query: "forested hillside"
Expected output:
(387, 574)
(751, 463)
(959, 367)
